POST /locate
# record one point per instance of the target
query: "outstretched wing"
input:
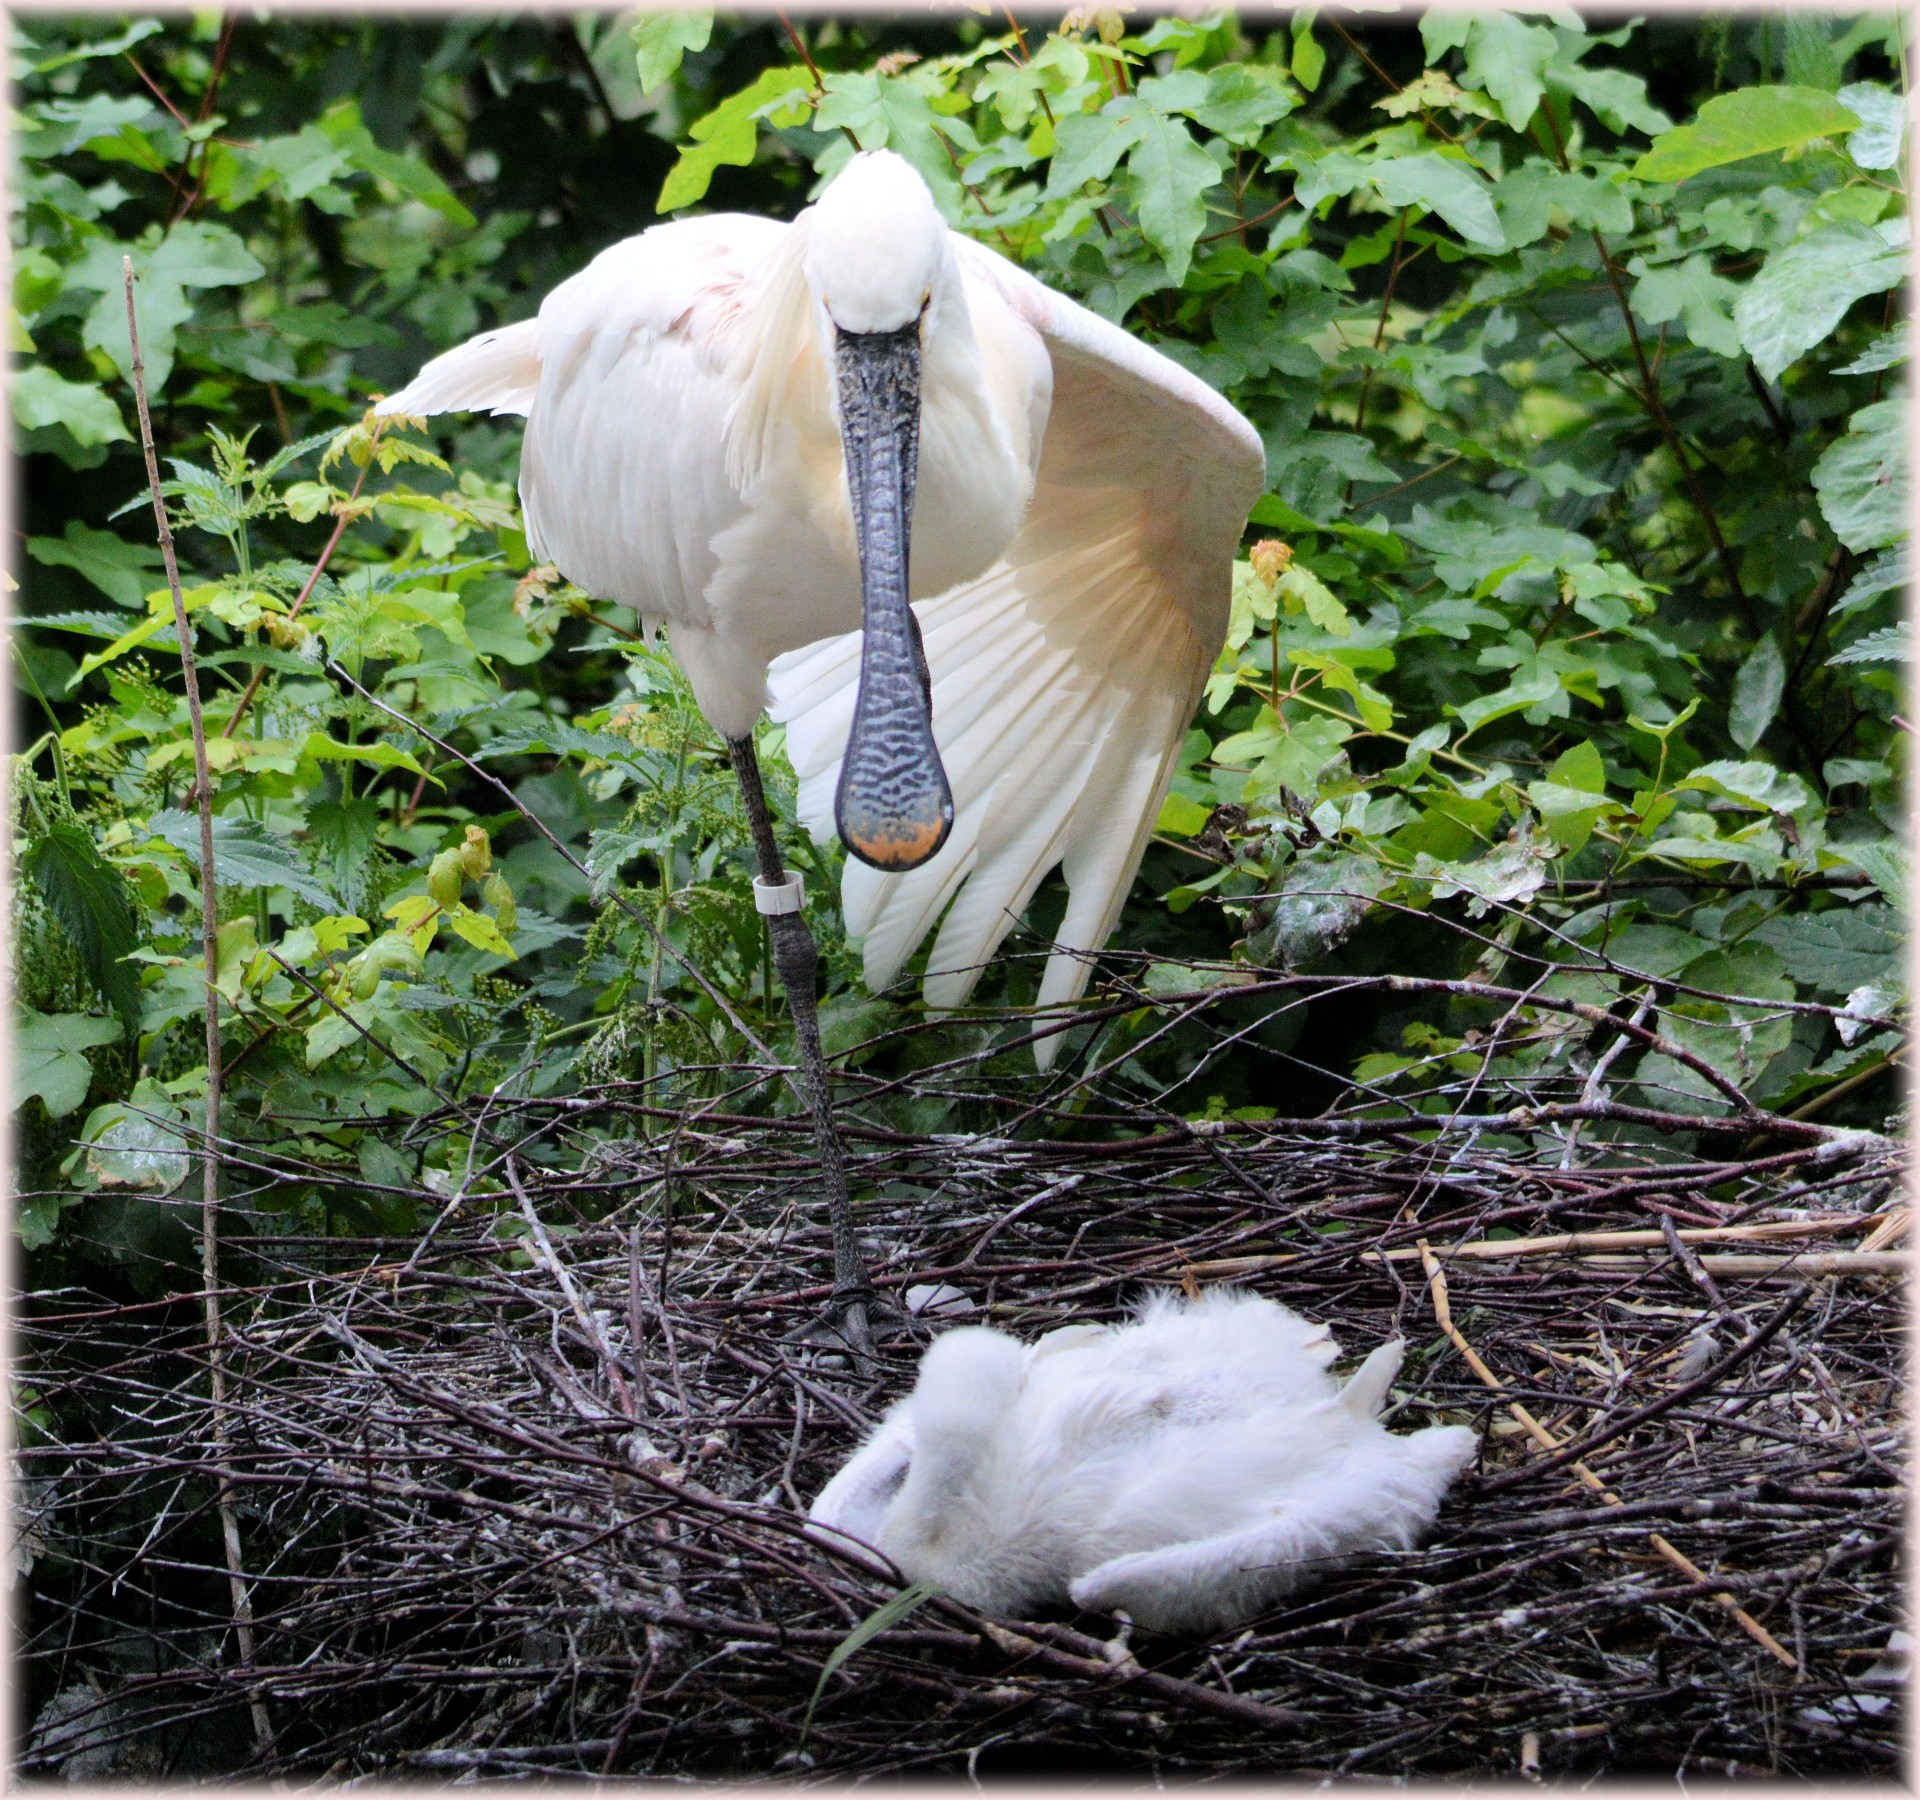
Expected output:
(1065, 678)
(624, 380)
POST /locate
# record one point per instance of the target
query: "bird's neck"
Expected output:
(962, 1409)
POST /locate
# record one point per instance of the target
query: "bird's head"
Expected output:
(969, 1382)
(877, 248)
(878, 263)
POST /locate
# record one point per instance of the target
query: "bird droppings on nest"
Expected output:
(501, 1523)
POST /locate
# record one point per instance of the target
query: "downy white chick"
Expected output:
(1188, 1467)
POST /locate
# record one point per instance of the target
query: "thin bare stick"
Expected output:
(1578, 1242)
(1590, 1245)
(1807, 1264)
(210, 953)
(589, 1326)
(347, 512)
(1380, 329)
(1596, 1080)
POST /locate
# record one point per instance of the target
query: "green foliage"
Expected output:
(662, 39)
(1570, 617)
(731, 134)
(1750, 122)
(86, 894)
(48, 1063)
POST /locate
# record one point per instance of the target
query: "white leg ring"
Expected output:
(776, 897)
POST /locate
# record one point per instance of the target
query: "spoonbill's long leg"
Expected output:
(797, 958)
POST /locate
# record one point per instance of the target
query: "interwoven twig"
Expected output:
(494, 1539)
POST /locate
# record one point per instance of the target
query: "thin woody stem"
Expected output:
(805, 55)
(293, 612)
(210, 953)
(1380, 329)
(1657, 409)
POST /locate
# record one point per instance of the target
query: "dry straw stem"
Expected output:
(1892, 1225)
(1591, 1247)
(1443, 1312)
(1805, 1266)
(210, 957)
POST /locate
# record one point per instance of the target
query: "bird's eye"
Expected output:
(897, 1480)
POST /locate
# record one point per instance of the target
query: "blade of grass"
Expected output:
(883, 1618)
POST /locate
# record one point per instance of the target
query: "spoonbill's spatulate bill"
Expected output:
(893, 806)
(782, 440)
(1188, 1468)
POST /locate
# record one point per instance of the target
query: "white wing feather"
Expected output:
(497, 372)
(1066, 676)
(625, 378)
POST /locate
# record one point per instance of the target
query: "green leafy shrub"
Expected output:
(1567, 642)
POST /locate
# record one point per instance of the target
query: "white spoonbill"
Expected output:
(1188, 1468)
(768, 435)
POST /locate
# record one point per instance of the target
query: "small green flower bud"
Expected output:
(443, 878)
(476, 853)
(499, 896)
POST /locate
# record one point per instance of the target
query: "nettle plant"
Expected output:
(367, 926)
(347, 956)
(1565, 650)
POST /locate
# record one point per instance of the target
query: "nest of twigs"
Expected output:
(525, 1499)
